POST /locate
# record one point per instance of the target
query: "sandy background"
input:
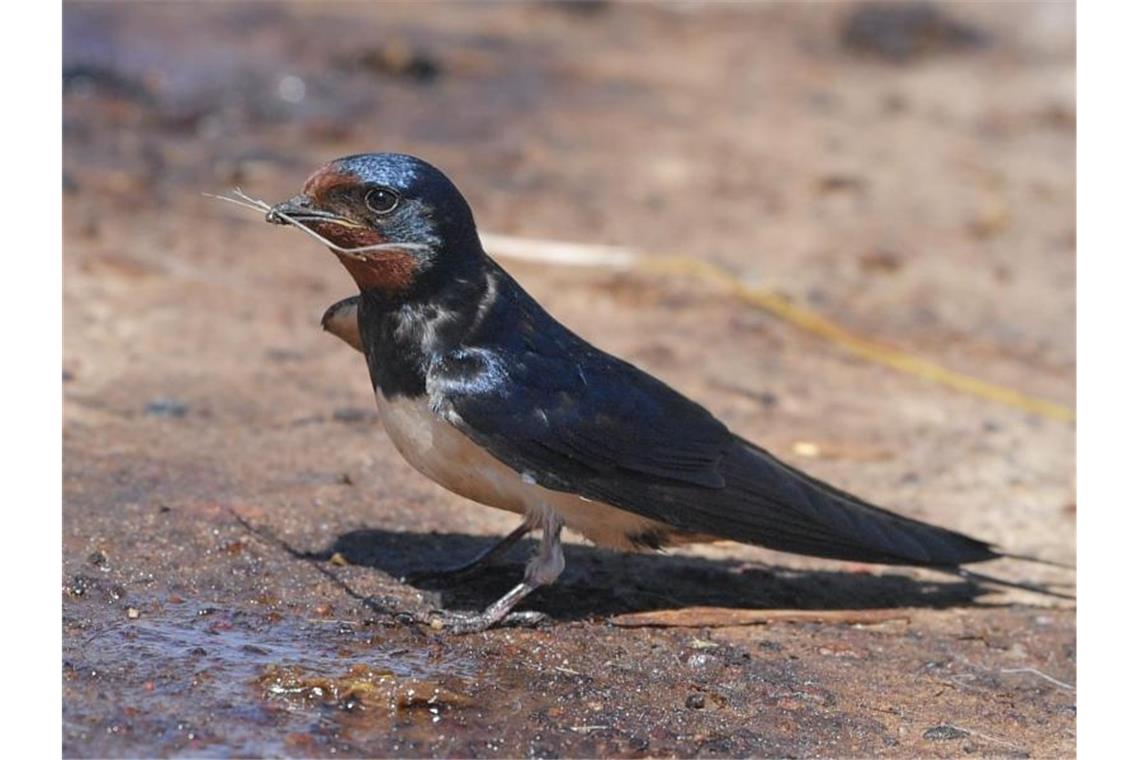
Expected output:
(911, 180)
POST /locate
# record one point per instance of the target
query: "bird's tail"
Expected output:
(770, 503)
(1038, 560)
(1047, 589)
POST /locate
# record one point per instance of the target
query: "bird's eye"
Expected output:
(381, 200)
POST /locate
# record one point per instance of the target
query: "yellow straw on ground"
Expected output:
(828, 330)
(555, 252)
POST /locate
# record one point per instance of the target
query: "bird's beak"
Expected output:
(300, 208)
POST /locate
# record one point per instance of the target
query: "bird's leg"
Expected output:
(542, 570)
(481, 560)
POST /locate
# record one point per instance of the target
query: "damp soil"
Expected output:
(236, 524)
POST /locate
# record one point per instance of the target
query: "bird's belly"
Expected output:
(443, 453)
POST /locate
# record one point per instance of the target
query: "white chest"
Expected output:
(447, 456)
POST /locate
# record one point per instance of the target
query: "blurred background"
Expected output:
(906, 171)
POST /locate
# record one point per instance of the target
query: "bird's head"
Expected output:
(395, 221)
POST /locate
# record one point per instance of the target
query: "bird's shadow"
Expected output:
(604, 583)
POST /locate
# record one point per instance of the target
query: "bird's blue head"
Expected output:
(394, 220)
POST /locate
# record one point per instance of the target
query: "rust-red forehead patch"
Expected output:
(325, 179)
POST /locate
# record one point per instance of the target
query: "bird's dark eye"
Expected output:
(381, 200)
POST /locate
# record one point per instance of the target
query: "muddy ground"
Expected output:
(235, 522)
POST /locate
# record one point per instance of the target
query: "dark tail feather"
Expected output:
(768, 502)
(1037, 588)
(853, 529)
(1038, 561)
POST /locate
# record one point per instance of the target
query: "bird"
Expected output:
(485, 393)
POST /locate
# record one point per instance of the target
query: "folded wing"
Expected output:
(588, 423)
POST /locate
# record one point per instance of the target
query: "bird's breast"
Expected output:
(445, 454)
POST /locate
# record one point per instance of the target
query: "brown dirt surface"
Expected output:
(236, 523)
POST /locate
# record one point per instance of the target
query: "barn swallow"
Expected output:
(485, 393)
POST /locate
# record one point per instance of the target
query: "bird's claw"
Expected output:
(526, 619)
(477, 622)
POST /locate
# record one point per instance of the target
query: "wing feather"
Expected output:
(591, 424)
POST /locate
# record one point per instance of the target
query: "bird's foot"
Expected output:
(467, 622)
(543, 568)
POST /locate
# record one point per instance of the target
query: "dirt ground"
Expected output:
(236, 523)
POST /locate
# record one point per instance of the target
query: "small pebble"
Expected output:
(166, 407)
(943, 733)
(352, 414)
(805, 449)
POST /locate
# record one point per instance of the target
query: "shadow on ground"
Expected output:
(603, 583)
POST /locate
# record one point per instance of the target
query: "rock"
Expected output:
(401, 61)
(166, 407)
(903, 32)
(943, 733)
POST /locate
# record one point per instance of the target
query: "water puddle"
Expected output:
(187, 684)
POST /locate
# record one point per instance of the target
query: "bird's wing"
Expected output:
(340, 320)
(567, 421)
(588, 423)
